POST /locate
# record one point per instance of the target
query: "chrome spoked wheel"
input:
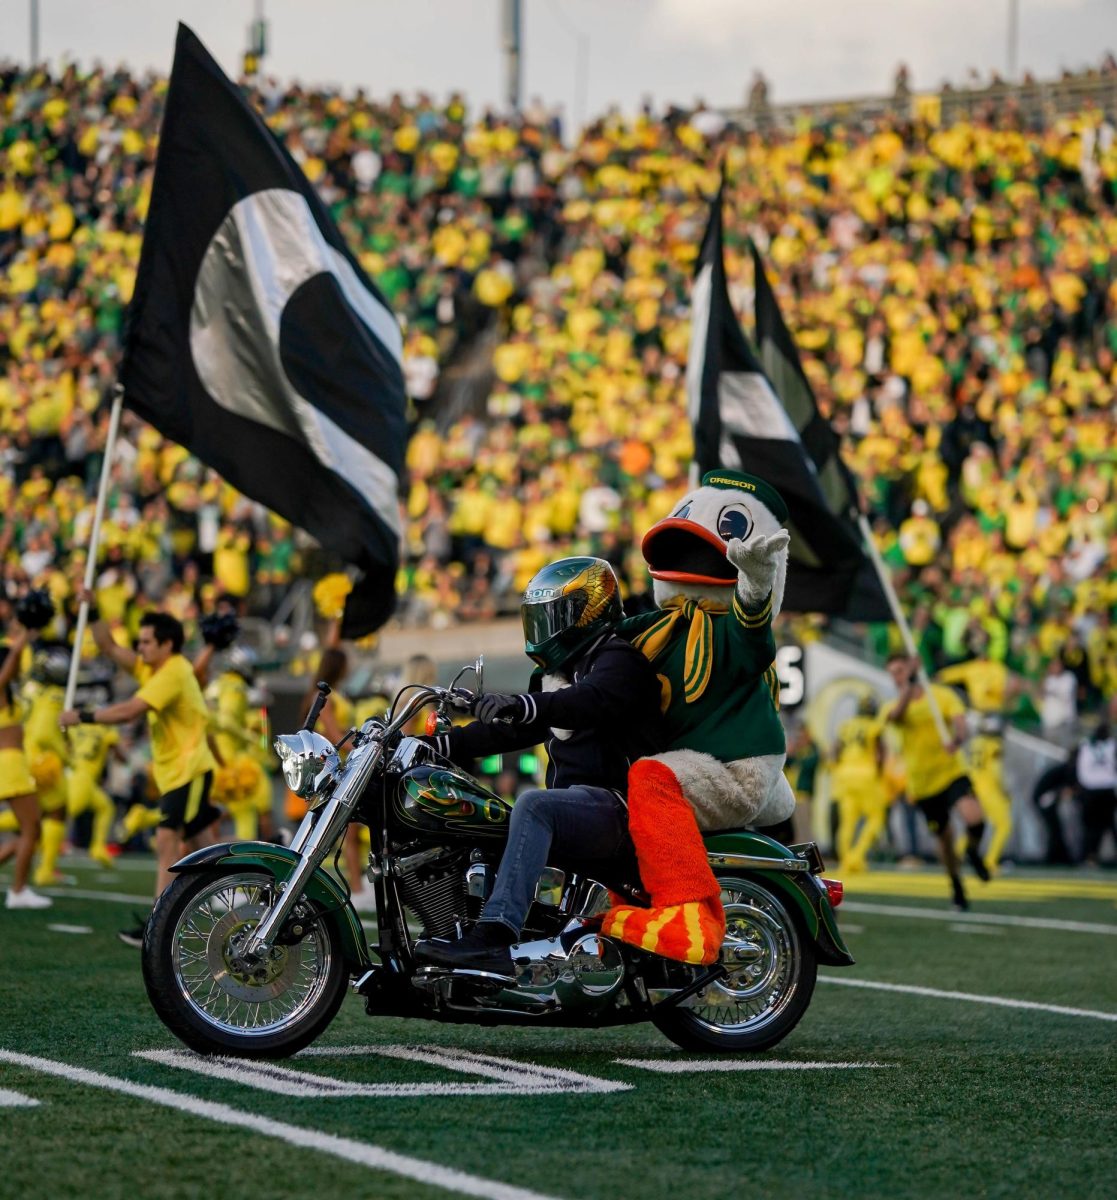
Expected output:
(210, 998)
(770, 975)
(271, 996)
(760, 954)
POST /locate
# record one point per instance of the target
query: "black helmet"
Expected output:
(50, 663)
(35, 610)
(219, 630)
(566, 606)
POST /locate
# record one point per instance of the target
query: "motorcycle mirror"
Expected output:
(318, 705)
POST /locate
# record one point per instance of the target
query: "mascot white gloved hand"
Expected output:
(719, 563)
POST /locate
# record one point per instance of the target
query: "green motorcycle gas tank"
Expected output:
(436, 798)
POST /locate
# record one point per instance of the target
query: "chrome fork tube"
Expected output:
(317, 843)
(306, 826)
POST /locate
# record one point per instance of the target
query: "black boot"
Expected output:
(483, 948)
(960, 901)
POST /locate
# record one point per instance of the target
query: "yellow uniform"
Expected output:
(90, 745)
(930, 767)
(986, 761)
(47, 752)
(182, 763)
(986, 683)
(177, 721)
(46, 747)
(241, 783)
(15, 775)
(857, 786)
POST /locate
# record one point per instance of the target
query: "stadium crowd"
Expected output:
(952, 290)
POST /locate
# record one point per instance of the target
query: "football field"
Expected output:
(962, 1056)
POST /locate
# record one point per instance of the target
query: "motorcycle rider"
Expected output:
(595, 702)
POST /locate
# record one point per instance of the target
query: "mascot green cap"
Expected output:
(764, 492)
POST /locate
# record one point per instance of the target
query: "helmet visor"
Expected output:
(542, 621)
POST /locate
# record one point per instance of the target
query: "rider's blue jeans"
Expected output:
(580, 822)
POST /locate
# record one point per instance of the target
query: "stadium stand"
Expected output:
(947, 270)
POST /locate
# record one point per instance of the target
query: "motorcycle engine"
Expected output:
(435, 891)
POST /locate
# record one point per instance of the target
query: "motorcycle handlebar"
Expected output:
(460, 699)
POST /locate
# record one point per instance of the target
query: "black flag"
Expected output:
(739, 422)
(256, 340)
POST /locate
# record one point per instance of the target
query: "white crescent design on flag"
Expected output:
(267, 247)
(750, 408)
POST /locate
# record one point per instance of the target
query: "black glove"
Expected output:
(499, 708)
(219, 630)
(35, 610)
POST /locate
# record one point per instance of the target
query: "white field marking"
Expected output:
(988, 930)
(478, 1064)
(667, 1067)
(847, 928)
(10, 1099)
(1000, 1001)
(362, 1153)
(938, 914)
(71, 928)
(112, 897)
(510, 1078)
(530, 1074)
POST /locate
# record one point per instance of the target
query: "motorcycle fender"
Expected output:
(279, 862)
(802, 889)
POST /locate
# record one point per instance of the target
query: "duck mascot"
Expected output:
(719, 563)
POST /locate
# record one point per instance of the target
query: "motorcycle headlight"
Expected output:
(304, 756)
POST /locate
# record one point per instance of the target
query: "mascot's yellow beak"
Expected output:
(681, 551)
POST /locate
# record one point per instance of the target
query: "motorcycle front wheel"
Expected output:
(212, 1005)
(771, 969)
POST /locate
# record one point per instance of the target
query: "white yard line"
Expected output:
(71, 928)
(940, 914)
(511, 1078)
(669, 1067)
(10, 1099)
(1000, 1001)
(362, 1153)
(987, 930)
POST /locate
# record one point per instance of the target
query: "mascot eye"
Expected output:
(734, 522)
(684, 511)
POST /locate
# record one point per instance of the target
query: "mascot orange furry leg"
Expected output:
(686, 920)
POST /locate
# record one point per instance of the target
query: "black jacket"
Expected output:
(608, 717)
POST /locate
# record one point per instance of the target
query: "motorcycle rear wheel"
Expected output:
(205, 1001)
(772, 969)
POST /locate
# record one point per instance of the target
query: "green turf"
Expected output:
(976, 1101)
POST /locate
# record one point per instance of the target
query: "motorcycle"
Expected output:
(250, 949)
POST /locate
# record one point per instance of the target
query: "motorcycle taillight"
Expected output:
(835, 890)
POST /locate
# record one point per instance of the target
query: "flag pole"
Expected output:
(885, 577)
(94, 541)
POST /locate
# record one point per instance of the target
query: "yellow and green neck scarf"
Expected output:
(699, 659)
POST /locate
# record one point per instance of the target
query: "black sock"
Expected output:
(974, 834)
